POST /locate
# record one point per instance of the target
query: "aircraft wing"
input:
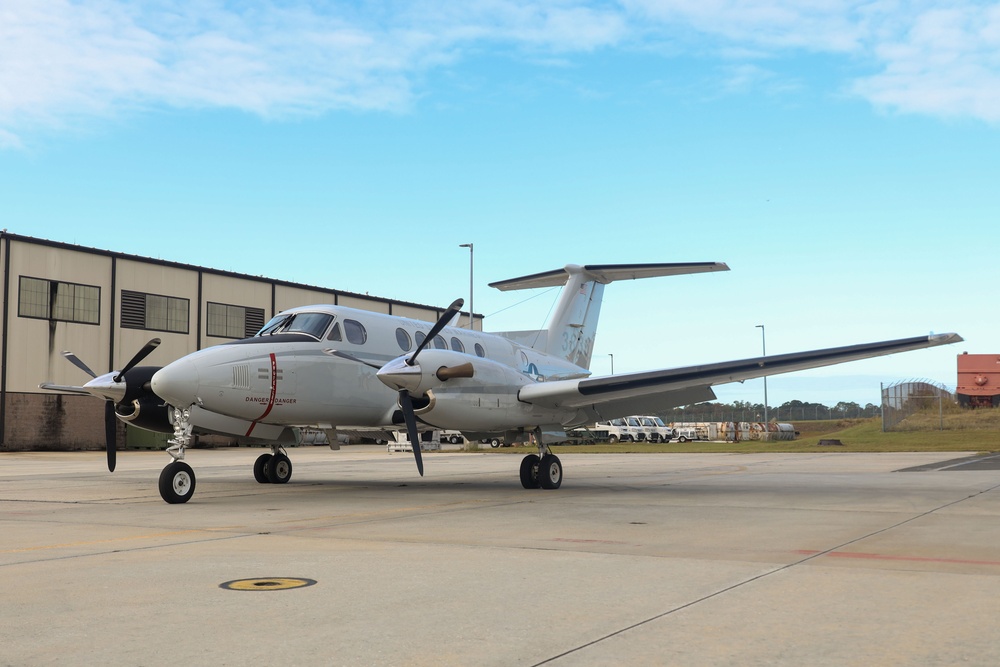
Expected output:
(632, 393)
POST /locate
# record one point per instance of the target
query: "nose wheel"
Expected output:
(177, 483)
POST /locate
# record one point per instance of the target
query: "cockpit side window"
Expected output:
(314, 324)
(356, 332)
(274, 324)
(335, 333)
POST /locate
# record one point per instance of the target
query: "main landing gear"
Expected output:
(273, 468)
(542, 470)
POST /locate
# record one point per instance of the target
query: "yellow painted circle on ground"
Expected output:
(267, 584)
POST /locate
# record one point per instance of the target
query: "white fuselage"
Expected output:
(289, 377)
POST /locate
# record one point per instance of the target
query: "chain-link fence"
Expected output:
(903, 399)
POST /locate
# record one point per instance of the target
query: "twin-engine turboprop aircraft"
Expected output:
(353, 371)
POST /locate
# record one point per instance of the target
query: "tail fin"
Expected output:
(572, 326)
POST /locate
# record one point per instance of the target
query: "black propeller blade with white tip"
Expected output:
(75, 360)
(139, 356)
(453, 309)
(406, 405)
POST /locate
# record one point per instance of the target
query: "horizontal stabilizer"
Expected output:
(606, 273)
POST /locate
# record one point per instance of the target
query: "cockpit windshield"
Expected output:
(314, 324)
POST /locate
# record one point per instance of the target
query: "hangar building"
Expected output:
(104, 306)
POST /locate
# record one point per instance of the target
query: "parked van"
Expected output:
(622, 429)
(655, 429)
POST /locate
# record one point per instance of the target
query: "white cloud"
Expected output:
(947, 63)
(62, 61)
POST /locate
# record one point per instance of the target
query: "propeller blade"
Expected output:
(139, 356)
(453, 309)
(406, 404)
(461, 371)
(110, 434)
(344, 355)
(73, 359)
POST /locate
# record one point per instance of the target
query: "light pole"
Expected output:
(612, 363)
(471, 267)
(763, 347)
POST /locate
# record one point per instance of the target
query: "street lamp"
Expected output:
(763, 347)
(612, 363)
(471, 266)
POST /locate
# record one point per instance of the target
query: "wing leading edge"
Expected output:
(676, 386)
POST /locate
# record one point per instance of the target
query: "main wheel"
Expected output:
(279, 469)
(177, 483)
(260, 469)
(550, 472)
(529, 471)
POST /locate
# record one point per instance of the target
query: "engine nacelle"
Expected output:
(146, 412)
(483, 400)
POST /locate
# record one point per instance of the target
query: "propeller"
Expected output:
(110, 388)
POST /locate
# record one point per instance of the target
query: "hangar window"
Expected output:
(57, 300)
(226, 321)
(456, 345)
(403, 339)
(155, 312)
(355, 332)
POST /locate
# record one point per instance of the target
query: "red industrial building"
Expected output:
(978, 380)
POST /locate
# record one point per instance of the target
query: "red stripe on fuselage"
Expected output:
(274, 391)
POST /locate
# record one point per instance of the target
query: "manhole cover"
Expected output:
(267, 584)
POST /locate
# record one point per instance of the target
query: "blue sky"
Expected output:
(842, 157)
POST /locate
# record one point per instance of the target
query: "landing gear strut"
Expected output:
(542, 470)
(273, 468)
(177, 478)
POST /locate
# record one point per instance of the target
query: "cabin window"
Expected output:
(403, 339)
(480, 351)
(456, 345)
(420, 337)
(355, 332)
(440, 343)
(335, 333)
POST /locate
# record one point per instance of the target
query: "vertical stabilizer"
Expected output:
(572, 326)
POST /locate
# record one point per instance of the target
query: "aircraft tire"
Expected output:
(260, 469)
(550, 472)
(494, 442)
(279, 469)
(177, 483)
(529, 471)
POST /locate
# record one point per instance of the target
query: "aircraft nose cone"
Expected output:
(177, 383)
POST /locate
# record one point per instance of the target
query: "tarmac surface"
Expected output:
(830, 558)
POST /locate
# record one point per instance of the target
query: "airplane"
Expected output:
(356, 372)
